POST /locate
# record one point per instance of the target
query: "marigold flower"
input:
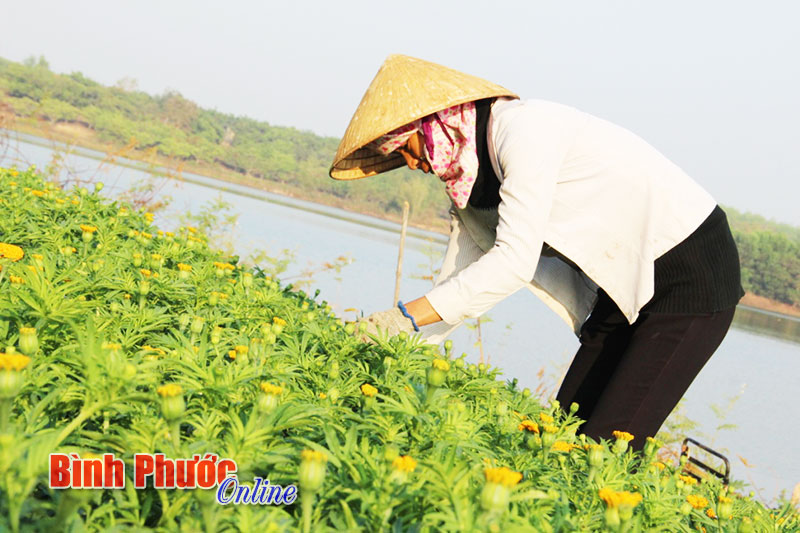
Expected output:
(146, 273)
(86, 228)
(561, 446)
(147, 235)
(368, 390)
(404, 463)
(269, 388)
(548, 428)
(169, 390)
(279, 321)
(689, 480)
(710, 513)
(547, 419)
(241, 349)
(502, 476)
(659, 465)
(322, 395)
(619, 499)
(313, 456)
(622, 435)
(184, 267)
(232, 354)
(528, 425)
(16, 279)
(441, 364)
(725, 499)
(698, 502)
(37, 193)
(13, 361)
(11, 251)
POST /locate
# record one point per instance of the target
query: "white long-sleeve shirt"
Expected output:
(595, 192)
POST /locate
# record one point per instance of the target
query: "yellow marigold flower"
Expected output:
(269, 388)
(60, 201)
(241, 349)
(146, 273)
(38, 257)
(548, 428)
(37, 193)
(16, 279)
(279, 321)
(31, 268)
(232, 354)
(547, 419)
(528, 425)
(725, 499)
(368, 390)
(613, 498)
(622, 435)
(191, 229)
(169, 390)
(86, 228)
(223, 296)
(404, 463)
(169, 234)
(502, 476)
(232, 281)
(561, 446)
(147, 235)
(13, 361)
(313, 456)
(112, 346)
(184, 267)
(710, 513)
(11, 251)
(698, 502)
(689, 480)
(322, 395)
(441, 364)
(659, 465)
(27, 331)
(126, 296)
(149, 216)
(219, 265)
(156, 257)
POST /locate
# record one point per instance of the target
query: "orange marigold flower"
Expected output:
(710, 513)
(698, 502)
(16, 279)
(528, 425)
(37, 193)
(689, 480)
(622, 435)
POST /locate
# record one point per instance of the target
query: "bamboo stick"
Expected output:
(399, 273)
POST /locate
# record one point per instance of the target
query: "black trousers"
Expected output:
(629, 377)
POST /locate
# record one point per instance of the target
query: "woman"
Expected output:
(633, 254)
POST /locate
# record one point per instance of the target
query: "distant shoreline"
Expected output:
(72, 134)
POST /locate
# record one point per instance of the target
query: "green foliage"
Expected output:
(383, 436)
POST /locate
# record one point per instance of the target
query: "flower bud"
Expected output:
(11, 377)
(311, 474)
(197, 324)
(172, 404)
(28, 341)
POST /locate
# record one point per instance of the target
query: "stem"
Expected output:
(308, 507)
(5, 414)
(175, 432)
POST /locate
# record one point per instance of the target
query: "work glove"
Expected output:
(391, 322)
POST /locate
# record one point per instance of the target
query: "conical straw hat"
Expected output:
(404, 90)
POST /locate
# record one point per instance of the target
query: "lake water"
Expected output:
(757, 365)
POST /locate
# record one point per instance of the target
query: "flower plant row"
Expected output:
(118, 337)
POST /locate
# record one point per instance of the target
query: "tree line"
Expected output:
(177, 128)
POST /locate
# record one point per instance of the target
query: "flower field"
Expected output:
(119, 338)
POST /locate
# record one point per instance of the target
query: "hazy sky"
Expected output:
(712, 84)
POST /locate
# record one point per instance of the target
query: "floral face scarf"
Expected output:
(449, 145)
